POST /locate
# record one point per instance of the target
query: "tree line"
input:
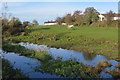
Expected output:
(88, 17)
(12, 25)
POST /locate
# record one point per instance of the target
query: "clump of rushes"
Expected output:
(118, 65)
(102, 65)
(115, 74)
(59, 58)
(67, 68)
(41, 55)
(7, 69)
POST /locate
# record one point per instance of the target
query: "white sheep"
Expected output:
(70, 26)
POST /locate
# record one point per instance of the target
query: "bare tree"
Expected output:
(76, 14)
(5, 12)
(68, 19)
(77, 18)
(109, 17)
(59, 20)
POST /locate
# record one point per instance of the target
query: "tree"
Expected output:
(15, 22)
(35, 22)
(4, 24)
(77, 18)
(59, 20)
(91, 15)
(5, 16)
(25, 23)
(68, 19)
(5, 12)
(11, 23)
(76, 14)
(109, 17)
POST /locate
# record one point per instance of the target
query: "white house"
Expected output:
(116, 18)
(50, 23)
(103, 17)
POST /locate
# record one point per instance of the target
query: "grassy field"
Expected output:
(94, 40)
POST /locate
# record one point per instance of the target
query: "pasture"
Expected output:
(93, 40)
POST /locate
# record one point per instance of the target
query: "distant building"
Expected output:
(50, 23)
(104, 17)
(101, 17)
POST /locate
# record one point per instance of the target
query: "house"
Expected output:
(104, 17)
(50, 23)
(101, 17)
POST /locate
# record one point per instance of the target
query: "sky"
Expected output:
(44, 11)
(60, 0)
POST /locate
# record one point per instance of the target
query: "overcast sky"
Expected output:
(44, 11)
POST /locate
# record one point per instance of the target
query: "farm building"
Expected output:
(104, 17)
(50, 23)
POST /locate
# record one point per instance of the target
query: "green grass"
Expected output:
(76, 69)
(41, 55)
(9, 47)
(68, 69)
(95, 40)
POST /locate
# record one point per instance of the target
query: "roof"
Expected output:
(114, 15)
(50, 22)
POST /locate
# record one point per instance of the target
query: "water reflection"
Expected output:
(26, 65)
(89, 57)
(67, 54)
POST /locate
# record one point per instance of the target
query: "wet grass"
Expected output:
(8, 73)
(102, 65)
(68, 68)
(115, 74)
(93, 40)
(9, 47)
(74, 69)
(117, 66)
(41, 55)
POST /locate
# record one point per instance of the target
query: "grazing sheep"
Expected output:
(70, 26)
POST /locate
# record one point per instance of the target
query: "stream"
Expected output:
(28, 65)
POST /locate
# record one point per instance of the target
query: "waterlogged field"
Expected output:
(43, 56)
(8, 69)
(68, 68)
(94, 40)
